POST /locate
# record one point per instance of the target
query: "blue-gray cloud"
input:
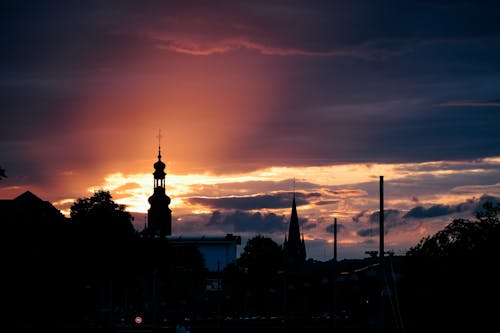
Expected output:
(278, 200)
(395, 219)
(240, 221)
(473, 205)
(330, 228)
(433, 211)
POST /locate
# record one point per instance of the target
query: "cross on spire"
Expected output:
(159, 137)
(159, 140)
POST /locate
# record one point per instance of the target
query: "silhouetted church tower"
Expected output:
(159, 215)
(294, 247)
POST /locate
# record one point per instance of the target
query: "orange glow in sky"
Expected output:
(250, 96)
(342, 191)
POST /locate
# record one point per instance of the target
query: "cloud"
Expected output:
(197, 49)
(248, 187)
(340, 227)
(392, 220)
(327, 202)
(483, 200)
(264, 201)
(348, 193)
(128, 186)
(368, 232)
(433, 211)
(390, 215)
(470, 103)
(307, 226)
(430, 218)
(472, 205)
(495, 188)
(357, 218)
(337, 116)
(84, 87)
(240, 221)
(318, 29)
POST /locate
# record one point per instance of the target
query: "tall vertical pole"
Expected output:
(381, 256)
(335, 240)
(381, 219)
(335, 274)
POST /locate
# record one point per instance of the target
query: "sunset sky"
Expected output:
(256, 99)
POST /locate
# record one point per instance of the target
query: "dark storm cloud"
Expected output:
(470, 103)
(278, 200)
(53, 38)
(367, 29)
(320, 28)
(433, 211)
(365, 81)
(368, 232)
(250, 187)
(473, 205)
(456, 166)
(380, 131)
(240, 221)
(395, 219)
(326, 202)
(422, 179)
(393, 116)
(392, 221)
(357, 217)
(390, 215)
(346, 193)
(340, 227)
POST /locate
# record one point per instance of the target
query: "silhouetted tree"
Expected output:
(99, 217)
(253, 281)
(463, 237)
(452, 275)
(261, 254)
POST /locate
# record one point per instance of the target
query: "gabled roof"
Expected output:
(29, 206)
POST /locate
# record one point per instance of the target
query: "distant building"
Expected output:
(294, 248)
(28, 210)
(218, 251)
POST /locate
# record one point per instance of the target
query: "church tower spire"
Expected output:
(159, 214)
(294, 246)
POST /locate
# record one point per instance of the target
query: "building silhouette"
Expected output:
(218, 251)
(159, 214)
(294, 248)
(28, 211)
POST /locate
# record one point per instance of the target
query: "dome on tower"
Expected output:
(159, 198)
(159, 165)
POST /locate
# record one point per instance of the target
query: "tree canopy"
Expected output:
(261, 254)
(99, 217)
(464, 237)
(452, 274)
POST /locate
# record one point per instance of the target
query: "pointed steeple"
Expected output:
(294, 228)
(294, 246)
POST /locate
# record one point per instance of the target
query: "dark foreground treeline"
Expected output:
(60, 285)
(56, 275)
